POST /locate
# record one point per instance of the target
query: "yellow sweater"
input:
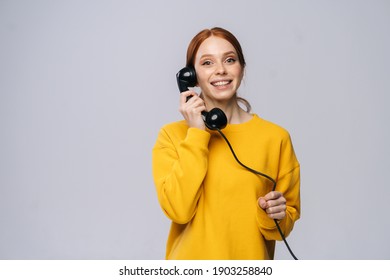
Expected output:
(212, 200)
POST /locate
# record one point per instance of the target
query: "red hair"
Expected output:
(206, 33)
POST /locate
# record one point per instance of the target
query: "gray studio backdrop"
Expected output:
(86, 85)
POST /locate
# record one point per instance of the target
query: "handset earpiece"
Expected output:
(216, 118)
(186, 78)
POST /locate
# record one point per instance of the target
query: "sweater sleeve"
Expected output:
(179, 167)
(288, 183)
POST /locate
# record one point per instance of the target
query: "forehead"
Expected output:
(214, 46)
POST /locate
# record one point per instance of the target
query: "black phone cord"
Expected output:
(265, 176)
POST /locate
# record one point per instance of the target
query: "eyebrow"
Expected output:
(224, 54)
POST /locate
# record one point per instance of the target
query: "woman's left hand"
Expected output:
(274, 204)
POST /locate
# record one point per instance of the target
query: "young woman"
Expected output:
(219, 209)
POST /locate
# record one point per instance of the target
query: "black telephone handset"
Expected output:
(216, 118)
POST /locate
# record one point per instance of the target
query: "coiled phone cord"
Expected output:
(265, 176)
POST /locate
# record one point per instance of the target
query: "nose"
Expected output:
(220, 70)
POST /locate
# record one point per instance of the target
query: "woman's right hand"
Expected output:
(191, 109)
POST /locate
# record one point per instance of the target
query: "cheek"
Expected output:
(240, 72)
(202, 77)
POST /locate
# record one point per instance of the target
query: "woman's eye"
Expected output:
(207, 62)
(230, 60)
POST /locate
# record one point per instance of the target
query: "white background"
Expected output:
(86, 85)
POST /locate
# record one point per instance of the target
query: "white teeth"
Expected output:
(221, 83)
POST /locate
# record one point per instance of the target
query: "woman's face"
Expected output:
(219, 72)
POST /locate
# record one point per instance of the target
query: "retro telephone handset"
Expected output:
(216, 119)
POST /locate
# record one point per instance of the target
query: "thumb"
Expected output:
(262, 202)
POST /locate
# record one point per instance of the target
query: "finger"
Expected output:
(276, 209)
(277, 216)
(275, 202)
(186, 95)
(272, 195)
